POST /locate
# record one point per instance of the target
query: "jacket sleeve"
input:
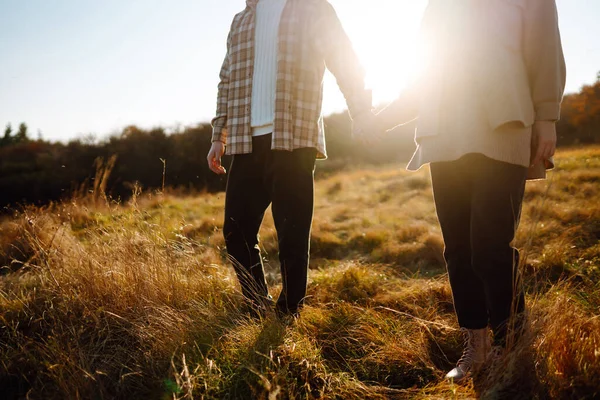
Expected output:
(342, 61)
(544, 58)
(219, 122)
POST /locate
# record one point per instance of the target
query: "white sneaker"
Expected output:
(475, 355)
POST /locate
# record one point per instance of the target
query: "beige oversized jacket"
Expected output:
(494, 67)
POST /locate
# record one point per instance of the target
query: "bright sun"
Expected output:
(385, 36)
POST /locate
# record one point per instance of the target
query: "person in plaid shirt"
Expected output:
(269, 119)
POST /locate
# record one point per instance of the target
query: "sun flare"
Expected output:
(385, 37)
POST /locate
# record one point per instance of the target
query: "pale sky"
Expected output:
(74, 67)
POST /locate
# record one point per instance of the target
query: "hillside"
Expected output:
(100, 300)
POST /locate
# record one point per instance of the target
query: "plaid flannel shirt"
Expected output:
(311, 38)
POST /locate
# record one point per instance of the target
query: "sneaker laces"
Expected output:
(468, 357)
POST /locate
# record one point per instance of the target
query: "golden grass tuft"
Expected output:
(568, 352)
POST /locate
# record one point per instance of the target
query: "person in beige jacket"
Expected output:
(487, 104)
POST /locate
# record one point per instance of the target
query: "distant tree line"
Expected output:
(38, 171)
(10, 139)
(580, 116)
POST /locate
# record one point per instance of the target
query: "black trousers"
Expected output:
(478, 202)
(286, 180)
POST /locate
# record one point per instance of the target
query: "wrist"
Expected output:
(547, 111)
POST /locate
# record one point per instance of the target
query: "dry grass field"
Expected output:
(137, 301)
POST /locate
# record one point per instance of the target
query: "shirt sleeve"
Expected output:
(342, 61)
(219, 122)
(544, 58)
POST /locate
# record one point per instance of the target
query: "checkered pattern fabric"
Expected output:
(311, 38)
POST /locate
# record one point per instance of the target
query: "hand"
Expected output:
(214, 158)
(399, 112)
(365, 128)
(543, 141)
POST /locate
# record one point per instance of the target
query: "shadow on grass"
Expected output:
(253, 376)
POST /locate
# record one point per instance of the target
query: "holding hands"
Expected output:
(370, 128)
(366, 128)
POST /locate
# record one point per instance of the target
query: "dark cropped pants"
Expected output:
(284, 179)
(478, 201)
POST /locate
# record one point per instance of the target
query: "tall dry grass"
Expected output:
(102, 301)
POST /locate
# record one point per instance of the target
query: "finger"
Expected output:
(551, 151)
(538, 154)
(547, 153)
(546, 147)
(214, 169)
(219, 167)
(214, 166)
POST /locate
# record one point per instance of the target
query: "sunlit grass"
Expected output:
(138, 301)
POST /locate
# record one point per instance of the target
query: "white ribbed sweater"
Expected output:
(264, 81)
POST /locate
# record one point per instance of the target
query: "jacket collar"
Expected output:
(251, 3)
